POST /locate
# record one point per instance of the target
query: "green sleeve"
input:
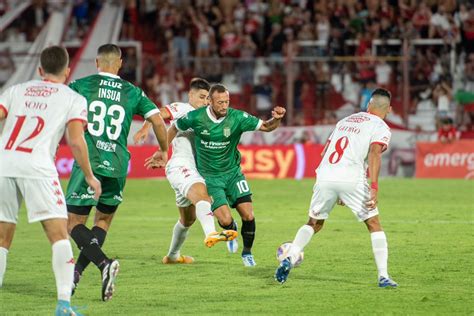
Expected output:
(145, 107)
(186, 122)
(249, 122)
(74, 86)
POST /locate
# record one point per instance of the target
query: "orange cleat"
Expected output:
(181, 259)
(225, 235)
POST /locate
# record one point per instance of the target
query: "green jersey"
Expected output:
(111, 102)
(216, 140)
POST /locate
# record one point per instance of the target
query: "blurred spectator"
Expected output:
(7, 67)
(442, 96)
(447, 133)
(262, 96)
(383, 73)
(129, 65)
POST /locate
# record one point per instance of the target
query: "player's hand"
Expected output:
(372, 203)
(95, 185)
(158, 160)
(278, 112)
(140, 136)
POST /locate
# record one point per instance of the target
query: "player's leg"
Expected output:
(8, 218)
(240, 197)
(355, 199)
(322, 202)
(198, 195)
(45, 203)
(187, 216)
(216, 186)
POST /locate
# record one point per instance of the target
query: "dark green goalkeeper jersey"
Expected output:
(216, 140)
(112, 102)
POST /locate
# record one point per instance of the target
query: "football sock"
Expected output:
(83, 261)
(380, 249)
(63, 267)
(248, 235)
(3, 263)
(302, 238)
(89, 245)
(231, 226)
(180, 232)
(205, 217)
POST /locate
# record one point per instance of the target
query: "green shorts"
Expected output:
(78, 192)
(227, 189)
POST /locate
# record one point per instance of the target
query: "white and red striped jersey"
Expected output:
(345, 159)
(183, 143)
(37, 115)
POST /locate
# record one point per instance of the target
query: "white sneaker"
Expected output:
(249, 261)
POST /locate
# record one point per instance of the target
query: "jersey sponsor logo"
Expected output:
(76, 196)
(40, 91)
(205, 132)
(173, 107)
(358, 119)
(34, 105)
(106, 163)
(118, 198)
(90, 190)
(226, 131)
(112, 84)
(214, 145)
(106, 146)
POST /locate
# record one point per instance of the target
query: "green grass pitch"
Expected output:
(429, 225)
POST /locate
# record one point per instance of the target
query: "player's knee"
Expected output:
(248, 217)
(188, 221)
(317, 225)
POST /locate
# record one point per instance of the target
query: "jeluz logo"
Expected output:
(205, 132)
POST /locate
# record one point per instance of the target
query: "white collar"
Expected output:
(212, 117)
(108, 74)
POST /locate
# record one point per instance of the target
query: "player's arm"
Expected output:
(375, 161)
(172, 132)
(159, 129)
(142, 134)
(77, 143)
(277, 115)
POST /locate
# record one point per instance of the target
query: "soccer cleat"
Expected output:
(64, 309)
(181, 259)
(225, 235)
(233, 245)
(248, 260)
(282, 272)
(75, 282)
(387, 282)
(109, 274)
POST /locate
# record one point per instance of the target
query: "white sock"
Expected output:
(380, 249)
(3, 263)
(205, 217)
(180, 232)
(63, 268)
(302, 238)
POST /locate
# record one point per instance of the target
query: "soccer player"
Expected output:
(35, 115)
(217, 130)
(112, 102)
(357, 142)
(190, 188)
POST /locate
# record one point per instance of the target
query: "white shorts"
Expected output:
(44, 199)
(181, 180)
(353, 195)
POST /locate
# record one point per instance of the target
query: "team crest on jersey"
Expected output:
(226, 131)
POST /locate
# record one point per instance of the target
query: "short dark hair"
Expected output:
(54, 59)
(199, 83)
(218, 87)
(109, 49)
(382, 92)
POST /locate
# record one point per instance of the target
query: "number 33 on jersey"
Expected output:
(112, 102)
